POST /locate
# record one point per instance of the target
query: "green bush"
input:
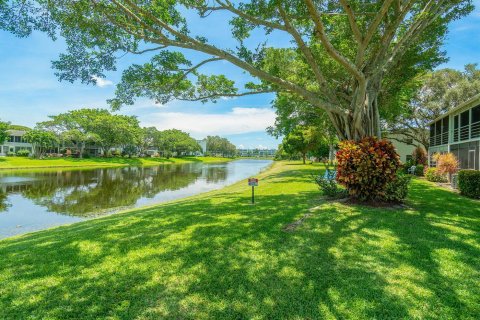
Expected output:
(329, 186)
(469, 183)
(397, 189)
(10, 154)
(419, 169)
(365, 167)
(433, 175)
(23, 153)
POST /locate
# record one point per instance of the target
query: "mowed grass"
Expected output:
(215, 256)
(26, 163)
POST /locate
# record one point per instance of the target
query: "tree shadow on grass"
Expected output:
(220, 257)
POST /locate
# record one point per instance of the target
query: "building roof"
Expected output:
(16, 132)
(467, 104)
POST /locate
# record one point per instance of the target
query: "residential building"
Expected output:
(14, 143)
(458, 132)
(261, 153)
(403, 145)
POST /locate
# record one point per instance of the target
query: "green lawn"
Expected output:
(26, 163)
(215, 256)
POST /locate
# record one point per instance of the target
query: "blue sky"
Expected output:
(29, 91)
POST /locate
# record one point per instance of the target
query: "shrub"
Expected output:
(10, 154)
(419, 169)
(329, 186)
(469, 183)
(447, 163)
(366, 167)
(419, 156)
(23, 153)
(433, 175)
(397, 189)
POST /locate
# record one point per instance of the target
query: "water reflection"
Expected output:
(35, 200)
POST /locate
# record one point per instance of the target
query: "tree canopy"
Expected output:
(437, 93)
(219, 145)
(176, 141)
(41, 140)
(352, 59)
(301, 140)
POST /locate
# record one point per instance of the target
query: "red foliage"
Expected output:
(365, 167)
(419, 156)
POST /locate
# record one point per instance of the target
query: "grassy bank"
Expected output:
(215, 256)
(8, 163)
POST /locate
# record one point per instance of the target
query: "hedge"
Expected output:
(469, 183)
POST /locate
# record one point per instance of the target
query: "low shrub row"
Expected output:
(433, 175)
(469, 183)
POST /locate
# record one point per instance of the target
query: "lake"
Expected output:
(31, 201)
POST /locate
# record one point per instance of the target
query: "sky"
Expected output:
(30, 92)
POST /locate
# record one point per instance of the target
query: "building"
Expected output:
(259, 153)
(458, 132)
(403, 145)
(203, 145)
(15, 143)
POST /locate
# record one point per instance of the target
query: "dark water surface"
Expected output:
(32, 201)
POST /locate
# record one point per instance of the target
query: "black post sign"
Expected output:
(253, 182)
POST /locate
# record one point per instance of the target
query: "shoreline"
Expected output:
(145, 207)
(108, 163)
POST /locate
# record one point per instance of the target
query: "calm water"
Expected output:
(32, 201)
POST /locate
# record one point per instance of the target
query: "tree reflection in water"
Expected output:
(81, 193)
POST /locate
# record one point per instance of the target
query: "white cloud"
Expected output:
(239, 120)
(101, 82)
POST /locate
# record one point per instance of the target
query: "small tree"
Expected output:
(4, 126)
(419, 156)
(447, 163)
(301, 140)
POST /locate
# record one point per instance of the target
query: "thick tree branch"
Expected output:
(187, 42)
(353, 22)
(320, 32)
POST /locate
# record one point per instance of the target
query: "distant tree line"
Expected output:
(220, 146)
(74, 131)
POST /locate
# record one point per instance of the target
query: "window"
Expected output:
(438, 127)
(432, 134)
(475, 131)
(464, 122)
(445, 130)
(455, 128)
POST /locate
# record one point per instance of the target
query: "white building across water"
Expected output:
(14, 143)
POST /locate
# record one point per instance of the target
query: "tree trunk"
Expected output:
(304, 156)
(361, 121)
(331, 153)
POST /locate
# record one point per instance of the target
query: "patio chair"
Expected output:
(412, 170)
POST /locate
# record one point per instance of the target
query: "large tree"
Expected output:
(41, 141)
(349, 58)
(219, 145)
(76, 126)
(176, 142)
(437, 93)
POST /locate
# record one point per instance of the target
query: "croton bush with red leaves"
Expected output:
(365, 167)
